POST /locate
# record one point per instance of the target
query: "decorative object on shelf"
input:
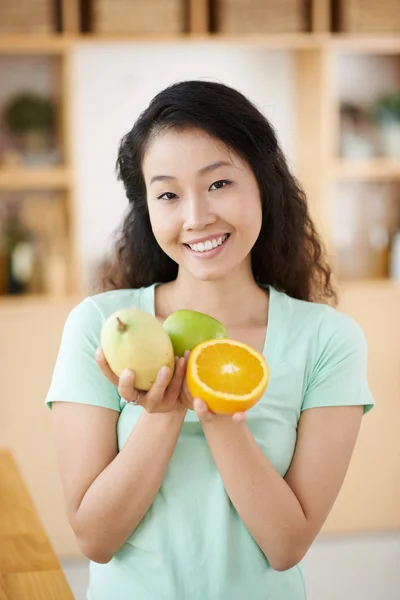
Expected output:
(141, 17)
(258, 16)
(33, 244)
(30, 119)
(395, 257)
(366, 16)
(27, 16)
(386, 114)
(44, 214)
(20, 252)
(357, 135)
(362, 218)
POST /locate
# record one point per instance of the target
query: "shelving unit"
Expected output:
(318, 166)
(314, 52)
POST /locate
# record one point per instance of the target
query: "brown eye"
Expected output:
(167, 196)
(217, 185)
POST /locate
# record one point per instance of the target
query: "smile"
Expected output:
(209, 244)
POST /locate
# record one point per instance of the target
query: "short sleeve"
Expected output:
(76, 375)
(339, 377)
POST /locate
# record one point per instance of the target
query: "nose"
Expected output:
(197, 213)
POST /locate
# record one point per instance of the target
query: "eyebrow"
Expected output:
(206, 169)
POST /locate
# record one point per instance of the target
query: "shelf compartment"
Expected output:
(49, 178)
(375, 169)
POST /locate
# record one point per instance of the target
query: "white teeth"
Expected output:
(209, 244)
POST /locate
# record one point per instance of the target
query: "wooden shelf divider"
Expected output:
(34, 178)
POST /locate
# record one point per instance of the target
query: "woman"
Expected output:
(168, 500)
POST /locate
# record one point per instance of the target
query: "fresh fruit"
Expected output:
(133, 339)
(188, 328)
(227, 375)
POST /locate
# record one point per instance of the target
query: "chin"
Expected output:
(210, 274)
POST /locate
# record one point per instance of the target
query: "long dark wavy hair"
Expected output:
(288, 254)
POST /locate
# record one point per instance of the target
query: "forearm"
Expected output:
(120, 496)
(262, 498)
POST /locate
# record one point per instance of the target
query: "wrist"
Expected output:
(176, 415)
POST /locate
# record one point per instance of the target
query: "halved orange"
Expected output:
(227, 375)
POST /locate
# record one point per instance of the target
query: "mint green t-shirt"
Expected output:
(192, 544)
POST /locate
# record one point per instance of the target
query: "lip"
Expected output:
(215, 236)
(208, 253)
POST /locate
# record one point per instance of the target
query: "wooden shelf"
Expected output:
(34, 179)
(364, 43)
(59, 43)
(377, 168)
(34, 44)
(369, 285)
(285, 41)
(19, 301)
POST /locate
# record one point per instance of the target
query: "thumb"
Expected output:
(201, 409)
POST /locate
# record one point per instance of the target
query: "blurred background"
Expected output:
(74, 76)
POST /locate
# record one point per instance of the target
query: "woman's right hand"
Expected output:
(160, 398)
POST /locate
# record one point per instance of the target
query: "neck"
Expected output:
(235, 300)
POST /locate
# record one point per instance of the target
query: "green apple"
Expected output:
(188, 328)
(133, 339)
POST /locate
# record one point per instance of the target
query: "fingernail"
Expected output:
(164, 372)
(198, 404)
(126, 375)
(99, 354)
(187, 354)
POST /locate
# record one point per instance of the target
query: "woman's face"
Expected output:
(204, 203)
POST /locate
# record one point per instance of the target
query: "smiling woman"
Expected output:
(179, 140)
(166, 498)
(210, 209)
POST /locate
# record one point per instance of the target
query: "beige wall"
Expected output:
(30, 336)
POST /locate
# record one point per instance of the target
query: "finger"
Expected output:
(239, 417)
(201, 410)
(126, 386)
(105, 367)
(176, 383)
(157, 390)
(186, 354)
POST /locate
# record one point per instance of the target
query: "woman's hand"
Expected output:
(206, 416)
(160, 398)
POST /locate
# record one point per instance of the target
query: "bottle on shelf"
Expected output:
(22, 268)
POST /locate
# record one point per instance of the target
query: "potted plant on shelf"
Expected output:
(29, 119)
(386, 114)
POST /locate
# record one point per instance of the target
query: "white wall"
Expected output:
(25, 73)
(113, 83)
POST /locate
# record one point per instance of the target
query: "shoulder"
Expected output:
(315, 336)
(97, 308)
(320, 324)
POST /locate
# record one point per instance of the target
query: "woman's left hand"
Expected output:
(205, 415)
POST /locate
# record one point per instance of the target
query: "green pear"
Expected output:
(133, 339)
(188, 328)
